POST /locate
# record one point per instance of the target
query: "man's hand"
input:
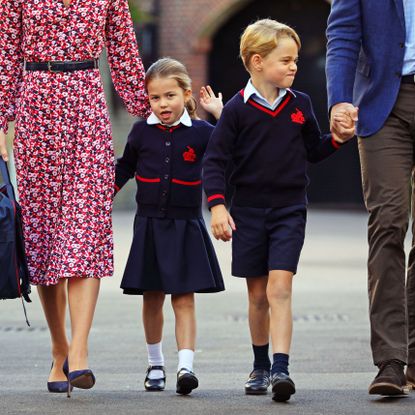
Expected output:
(222, 223)
(3, 146)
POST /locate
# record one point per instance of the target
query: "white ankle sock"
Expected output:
(155, 358)
(186, 359)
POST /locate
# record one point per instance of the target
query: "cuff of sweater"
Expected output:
(116, 189)
(336, 144)
(216, 199)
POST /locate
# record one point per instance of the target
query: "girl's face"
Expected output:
(167, 99)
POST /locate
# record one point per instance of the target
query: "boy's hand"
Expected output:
(220, 223)
(210, 102)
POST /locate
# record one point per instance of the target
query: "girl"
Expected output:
(171, 252)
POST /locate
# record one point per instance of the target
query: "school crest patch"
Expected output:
(189, 155)
(298, 117)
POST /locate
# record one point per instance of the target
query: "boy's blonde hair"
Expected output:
(172, 68)
(262, 38)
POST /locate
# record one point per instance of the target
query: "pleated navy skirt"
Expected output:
(175, 256)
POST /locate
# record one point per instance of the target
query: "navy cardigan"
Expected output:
(166, 163)
(269, 149)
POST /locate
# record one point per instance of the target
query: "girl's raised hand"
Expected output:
(210, 102)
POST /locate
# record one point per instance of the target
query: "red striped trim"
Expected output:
(184, 183)
(213, 197)
(334, 143)
(169, 129)
(146, 180)
(277, 110)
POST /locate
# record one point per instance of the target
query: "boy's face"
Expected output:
(167, 99)
(280, 66)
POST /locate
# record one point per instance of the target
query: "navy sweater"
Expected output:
(166, 163)
(269, 150)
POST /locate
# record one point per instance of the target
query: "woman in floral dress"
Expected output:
(63, 149)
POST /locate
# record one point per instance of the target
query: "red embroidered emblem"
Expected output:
(298, 117)
(189, 155)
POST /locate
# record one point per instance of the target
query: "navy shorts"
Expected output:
(267, 239)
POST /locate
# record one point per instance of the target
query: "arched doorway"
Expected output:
(335, 181)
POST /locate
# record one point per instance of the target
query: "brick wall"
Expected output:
(185, 28)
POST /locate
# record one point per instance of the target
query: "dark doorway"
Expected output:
(335, 181)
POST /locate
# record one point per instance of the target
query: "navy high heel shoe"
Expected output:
(82, 379)
(60, 386)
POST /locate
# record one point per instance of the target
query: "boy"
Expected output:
(270, 133)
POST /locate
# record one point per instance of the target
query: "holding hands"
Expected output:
(343, 120)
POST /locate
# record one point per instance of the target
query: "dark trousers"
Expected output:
(387, 162)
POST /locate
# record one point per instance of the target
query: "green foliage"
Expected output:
(137, 14)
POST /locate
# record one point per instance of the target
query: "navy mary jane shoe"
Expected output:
(186, 381)
(155, 385)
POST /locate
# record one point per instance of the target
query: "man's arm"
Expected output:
(344, 35)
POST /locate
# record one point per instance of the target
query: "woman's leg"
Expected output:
(83, 295)
(53, 300)
(279, 290)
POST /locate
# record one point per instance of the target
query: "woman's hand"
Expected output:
(3, 146)
(210, 102)
(222, 224)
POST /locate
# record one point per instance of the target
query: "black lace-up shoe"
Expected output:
(258, 382)
(282, 387)
(390, 379)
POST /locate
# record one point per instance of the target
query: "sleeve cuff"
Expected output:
(216, 199)
(336, 144)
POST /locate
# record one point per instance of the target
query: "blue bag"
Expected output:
(14, 274)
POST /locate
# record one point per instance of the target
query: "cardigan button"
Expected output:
(167, 160)
(166, 176)
(164, 193)
(168, 143)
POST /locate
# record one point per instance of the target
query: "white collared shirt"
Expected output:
(184, 119)
(251, 92)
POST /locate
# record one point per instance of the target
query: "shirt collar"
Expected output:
(184, 119)
(251, 90)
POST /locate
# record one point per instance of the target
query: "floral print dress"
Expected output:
(63, 146)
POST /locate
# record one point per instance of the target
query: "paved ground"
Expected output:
(330, 359)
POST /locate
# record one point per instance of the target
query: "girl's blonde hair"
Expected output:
(262, 38)
(172, 68)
